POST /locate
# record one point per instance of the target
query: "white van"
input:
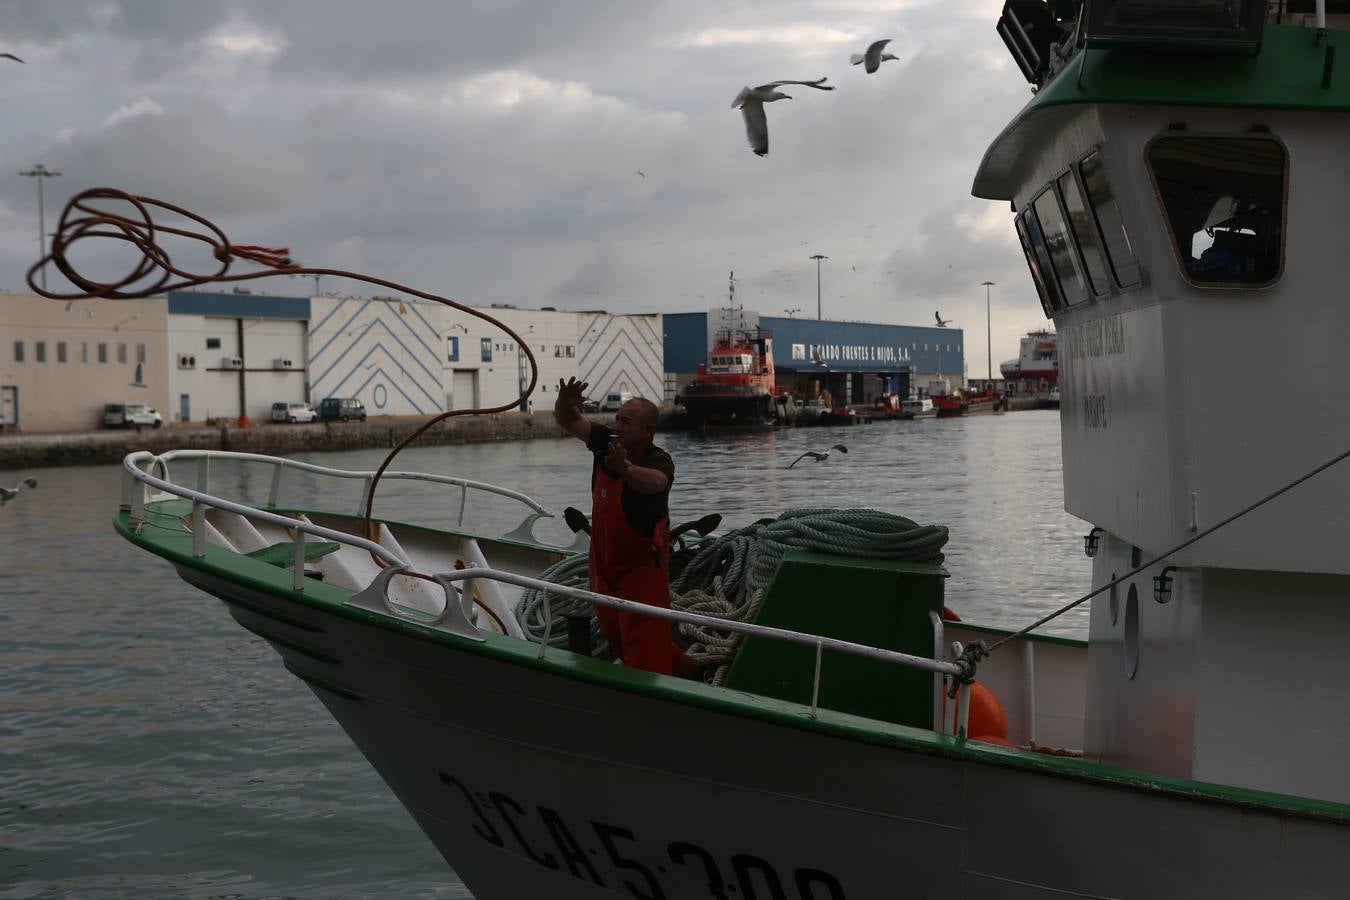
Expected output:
(612, 402)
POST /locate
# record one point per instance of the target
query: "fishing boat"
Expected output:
(948, 401)
(1170, 179)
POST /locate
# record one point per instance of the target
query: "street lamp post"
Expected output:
(988, 335)
(818, 257)
(39, 171)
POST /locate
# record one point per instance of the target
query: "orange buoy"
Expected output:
(987, 717)
(994, 739)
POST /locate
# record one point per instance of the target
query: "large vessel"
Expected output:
(1173, 181)
(1037, 362)
(735, 387)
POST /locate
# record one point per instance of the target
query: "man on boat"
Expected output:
(630, 527)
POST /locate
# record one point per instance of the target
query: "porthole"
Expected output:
(1114, 599)
(1131, 644)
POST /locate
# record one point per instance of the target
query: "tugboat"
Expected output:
(736, 387)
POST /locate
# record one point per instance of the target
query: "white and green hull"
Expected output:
(568, 778)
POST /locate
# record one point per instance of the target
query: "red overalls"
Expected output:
(627, 565)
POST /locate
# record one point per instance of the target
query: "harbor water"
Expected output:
(149, 747)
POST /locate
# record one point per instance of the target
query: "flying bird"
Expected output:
(942, 323)
(642, 173)
(11, 56)
(8, 494)
(751, 102)
(873, 58)
(818, 455)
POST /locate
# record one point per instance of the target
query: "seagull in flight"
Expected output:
(942, 323)
(751, 102)
(8, 494)
(818, 455)
(11, 56)
(873, 58)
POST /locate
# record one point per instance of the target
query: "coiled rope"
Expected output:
(727, 576)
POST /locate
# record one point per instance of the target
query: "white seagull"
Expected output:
(751, 102)
(873, 58)
(8, 494)
(942, 323)
(818, 455)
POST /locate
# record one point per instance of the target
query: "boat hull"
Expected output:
(540, 779)
(719, 406)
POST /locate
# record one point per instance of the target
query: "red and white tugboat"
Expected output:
(735, 387)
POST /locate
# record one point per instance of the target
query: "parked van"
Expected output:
(341, 409)
(612, 402)
(131, 415)
(293, 412)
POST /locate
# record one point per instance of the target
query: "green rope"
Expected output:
(728, 575)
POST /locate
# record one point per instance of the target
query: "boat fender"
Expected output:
(987, 716)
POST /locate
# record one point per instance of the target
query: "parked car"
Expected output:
(131, 415)
(293, 412)
(341, 409)
(612, 402)
(589, 405)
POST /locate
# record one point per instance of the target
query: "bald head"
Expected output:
(649, 412)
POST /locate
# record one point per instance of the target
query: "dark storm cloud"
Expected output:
(491, 150)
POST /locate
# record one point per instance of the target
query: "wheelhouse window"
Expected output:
(1053, 301)
(1223, 198)
(1114, 238)
(1041, 290)
(1085, 233)
(1064, 264)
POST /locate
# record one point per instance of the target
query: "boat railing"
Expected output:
(456, 618)
(140, 477)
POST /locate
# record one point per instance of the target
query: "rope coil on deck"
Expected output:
(727, 576)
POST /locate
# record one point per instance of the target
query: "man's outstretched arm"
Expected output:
(566, 411)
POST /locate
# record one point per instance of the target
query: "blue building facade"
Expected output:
(897, 357)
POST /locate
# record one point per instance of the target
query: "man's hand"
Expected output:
(616, 460)
(565, 411)
(570, 392)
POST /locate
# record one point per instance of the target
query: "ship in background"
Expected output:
(1037, 365)
(735, 388)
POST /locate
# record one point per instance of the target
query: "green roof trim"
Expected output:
(1286, 74)
(168, 538)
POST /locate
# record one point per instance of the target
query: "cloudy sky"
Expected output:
(560, 153)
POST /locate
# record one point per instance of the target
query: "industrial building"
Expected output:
(202, 356)
(853, 362)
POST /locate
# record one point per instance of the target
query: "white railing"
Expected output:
(139, 467)
(455, 618)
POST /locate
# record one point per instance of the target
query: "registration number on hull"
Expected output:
(604, 854)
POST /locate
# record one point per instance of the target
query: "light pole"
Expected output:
(988, 336)
(818, 257)
(39, 171)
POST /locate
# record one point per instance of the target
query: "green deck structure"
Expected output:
(877, 602)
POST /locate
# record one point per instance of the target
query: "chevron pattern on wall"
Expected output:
(383, 352)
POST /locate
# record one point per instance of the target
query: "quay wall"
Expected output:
(29, 451)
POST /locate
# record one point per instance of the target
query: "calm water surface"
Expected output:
(149, 747)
